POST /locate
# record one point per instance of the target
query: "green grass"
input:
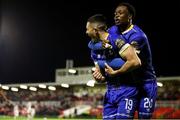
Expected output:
(36, 118)
(24, 118)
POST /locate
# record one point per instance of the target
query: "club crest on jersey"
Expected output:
(119, 43)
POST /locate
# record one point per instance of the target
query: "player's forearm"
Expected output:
(98, 76)
(129, 66)
(132, 60)
(95, 46)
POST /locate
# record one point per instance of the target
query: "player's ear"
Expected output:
(96, 30)
(130, 18)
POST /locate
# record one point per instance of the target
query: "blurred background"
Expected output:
(45, 62)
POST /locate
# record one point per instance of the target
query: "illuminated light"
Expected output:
(42, 86)
(33, 88)
(65, 85)
(159, 84)
(90, 83)
(5, 87)
(23, 86)
(14, 89)
(73, 71)
(52, 88)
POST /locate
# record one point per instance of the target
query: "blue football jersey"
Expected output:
(136, 37)
(102, 55)
(97, 51)
(115, 61)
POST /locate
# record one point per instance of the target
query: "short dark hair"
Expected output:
(99, 19)
(130, 8)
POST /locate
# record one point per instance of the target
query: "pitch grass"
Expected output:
(36, 118)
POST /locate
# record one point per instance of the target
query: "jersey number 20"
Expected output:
(148, 103)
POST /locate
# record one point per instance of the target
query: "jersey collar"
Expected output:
(127, 30)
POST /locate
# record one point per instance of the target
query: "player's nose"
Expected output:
(116, 17)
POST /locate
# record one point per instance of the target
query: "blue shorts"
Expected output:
(120, 103)
(147, 98)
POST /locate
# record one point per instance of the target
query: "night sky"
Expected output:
(37, 36)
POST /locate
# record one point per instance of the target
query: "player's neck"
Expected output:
(103, 35)
(124, 27)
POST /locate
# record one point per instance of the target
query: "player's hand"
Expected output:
(110, 71)
(98, 76)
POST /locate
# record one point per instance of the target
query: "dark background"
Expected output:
(37, 36)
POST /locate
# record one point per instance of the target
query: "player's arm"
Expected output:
(98, 76)
(95, 46)
(132, 61)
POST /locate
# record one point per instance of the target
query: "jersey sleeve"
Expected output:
(95, 46)
(113, 30)
(93, 55)
(120, 44)
(138, 42)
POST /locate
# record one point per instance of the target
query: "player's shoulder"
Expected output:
(113, 30)
(91, 44)
(136, 32)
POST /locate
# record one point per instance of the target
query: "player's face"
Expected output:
(121, 15)
(91, 31)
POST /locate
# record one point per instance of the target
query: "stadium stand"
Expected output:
(77, 99)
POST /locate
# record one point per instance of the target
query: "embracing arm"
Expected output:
(95, 46)
(132, 61)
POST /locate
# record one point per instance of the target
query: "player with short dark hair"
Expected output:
(124, 15)
(101, 50)
(99, 21)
